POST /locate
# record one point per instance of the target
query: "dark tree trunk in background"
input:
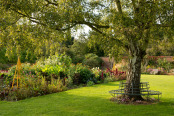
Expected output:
(134, 74)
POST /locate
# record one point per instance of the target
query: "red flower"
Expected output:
(102, 74)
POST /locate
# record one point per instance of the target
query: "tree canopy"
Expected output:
(117, 21)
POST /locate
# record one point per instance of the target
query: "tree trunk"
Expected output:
(134, 74)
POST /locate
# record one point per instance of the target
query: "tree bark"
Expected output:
(133, 88)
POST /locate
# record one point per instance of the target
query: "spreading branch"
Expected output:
(97, 30)
(118, 3)
(64, 29)
(163, 25)
(29, 17)
(93, 26)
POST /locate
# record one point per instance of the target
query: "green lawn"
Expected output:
(94, 101)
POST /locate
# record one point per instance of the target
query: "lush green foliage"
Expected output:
(163, 47)
(92, 60)
(3, 58)
(81, 49)
(163, 63)
(4, 66)
(94, 101)
(81, 74)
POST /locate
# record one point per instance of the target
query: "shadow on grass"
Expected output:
(70, 103)
(169, 101)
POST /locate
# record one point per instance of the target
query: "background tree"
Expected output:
(127, 25)
(31, 42)
(163, 47)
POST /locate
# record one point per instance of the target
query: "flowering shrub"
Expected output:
(96, 71)
(90, 83)
(163, 63)
(149, 70)
(3, 71)
(29, 87)
(85, 75)
(80, 74)
(159, 71)
(99, 75)
(55, 70)
(158, 63)
(26, 69)
(72, 70)
(116, 75)
(57, 65)
(3, 74)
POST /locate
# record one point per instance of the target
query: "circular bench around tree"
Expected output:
(144, 90)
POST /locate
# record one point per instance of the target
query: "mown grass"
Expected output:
(94, 101)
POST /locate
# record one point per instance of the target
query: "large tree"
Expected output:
(125, 24)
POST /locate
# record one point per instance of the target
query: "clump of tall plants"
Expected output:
(115, 75)
(30, 86)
